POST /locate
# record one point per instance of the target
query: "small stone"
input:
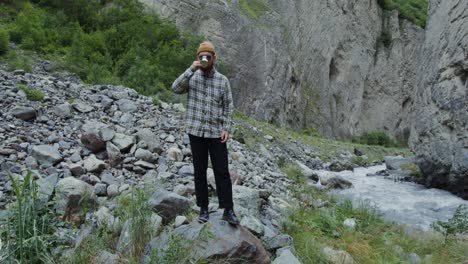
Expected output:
(350, 223)
(76, 169)
(92, 142)
(108, 178)
(112, 190)
(180, 220)
(174, 153)
(170, 139)
(100, 189)
(82, 107)
(414, 258)
(145, 164)
(93, 164)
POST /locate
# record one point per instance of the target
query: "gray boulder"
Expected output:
(82, 107)
(92, 142)
(46, 154)
(286, 257)
(151, 140)
(168, 204)
(70, 195)
(24, 113)
(123, 142)
(63, 110)
(126, 106)
(213, 241)
(93, 164)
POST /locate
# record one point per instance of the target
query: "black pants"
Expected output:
(219, 159)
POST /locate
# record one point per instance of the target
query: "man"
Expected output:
(208, 120)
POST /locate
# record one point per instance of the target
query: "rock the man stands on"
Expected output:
(208, 121)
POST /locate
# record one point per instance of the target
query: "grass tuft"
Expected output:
(31, 94)
(26, 227)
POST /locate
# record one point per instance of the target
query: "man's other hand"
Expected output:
(224, 136)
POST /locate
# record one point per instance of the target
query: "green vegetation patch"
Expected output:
(114, 42)
(4, 40)
(413, 169)
(32, 94)
(378, 138)
(251, 132)
(253, 8)
(413, 10)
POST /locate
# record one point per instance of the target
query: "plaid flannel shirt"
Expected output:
(209, 102)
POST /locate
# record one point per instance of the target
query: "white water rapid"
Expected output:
(402, 202)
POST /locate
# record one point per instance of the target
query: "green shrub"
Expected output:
(4, 41)
(413, 10)
(458, 224)
(375, 138)
(117, 43)
(413, 169)
(15, 61)
(31, 94)
(294, 173)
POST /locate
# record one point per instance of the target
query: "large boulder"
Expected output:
(215, 241)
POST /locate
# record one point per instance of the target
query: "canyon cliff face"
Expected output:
(320, 64)
(439, 132)
(345, 67)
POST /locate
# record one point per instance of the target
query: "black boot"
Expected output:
(204, 215)
(230, 216)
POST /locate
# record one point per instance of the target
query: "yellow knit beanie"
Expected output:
(206, 46)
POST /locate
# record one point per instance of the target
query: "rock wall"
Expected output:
(439, 132)
(318, 64)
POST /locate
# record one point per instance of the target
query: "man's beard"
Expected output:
(208, 68)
